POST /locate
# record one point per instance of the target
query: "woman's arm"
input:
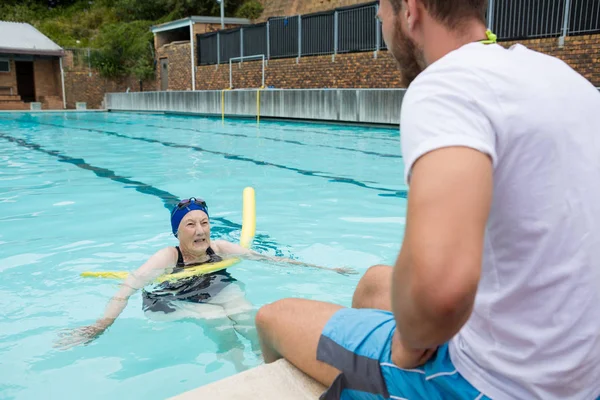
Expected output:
(235, 250)
(156, 265)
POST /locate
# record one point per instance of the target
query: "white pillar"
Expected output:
(192, 54)
(62, 79)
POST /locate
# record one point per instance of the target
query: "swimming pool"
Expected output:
(90, 192)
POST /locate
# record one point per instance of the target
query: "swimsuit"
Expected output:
(196, 289)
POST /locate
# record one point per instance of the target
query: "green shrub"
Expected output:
(124, 49)
(251, 9)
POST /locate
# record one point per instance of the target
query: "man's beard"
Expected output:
(408, 57)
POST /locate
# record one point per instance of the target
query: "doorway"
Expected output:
(25, 80)
(164, 73)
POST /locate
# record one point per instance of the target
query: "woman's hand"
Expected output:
(407, 358)
(80, 336)
(345, 271)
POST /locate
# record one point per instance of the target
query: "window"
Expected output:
(4, 66)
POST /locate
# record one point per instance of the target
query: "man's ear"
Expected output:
(412, 13)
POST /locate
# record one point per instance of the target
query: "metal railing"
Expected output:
(584, 17)
(79, 59)
(528, 19)
(343, 30)
(355, 29)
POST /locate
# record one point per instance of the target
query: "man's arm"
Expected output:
(437, 272)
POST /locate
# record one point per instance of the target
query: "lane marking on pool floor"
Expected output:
(336, 179)
(169, 200)
(295, 142)
(278, 128)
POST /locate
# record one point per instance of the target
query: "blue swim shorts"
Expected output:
(358, 343)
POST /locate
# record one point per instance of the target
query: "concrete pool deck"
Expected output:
(276, 381)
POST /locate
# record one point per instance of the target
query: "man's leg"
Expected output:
(374, 290)
(291, 328)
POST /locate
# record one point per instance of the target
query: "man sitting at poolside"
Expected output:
(496, 290)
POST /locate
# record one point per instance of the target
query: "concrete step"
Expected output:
(10, 97)
(13, 105)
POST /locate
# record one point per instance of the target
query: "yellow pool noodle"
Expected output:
(246, 238)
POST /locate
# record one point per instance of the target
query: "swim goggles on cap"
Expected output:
(186, 202)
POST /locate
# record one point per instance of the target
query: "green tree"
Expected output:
(124, 49)
(251, 9)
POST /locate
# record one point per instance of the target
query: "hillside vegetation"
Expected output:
(118, 30)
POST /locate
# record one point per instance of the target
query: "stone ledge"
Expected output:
(276, 381)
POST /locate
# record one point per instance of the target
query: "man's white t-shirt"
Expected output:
(535, 328)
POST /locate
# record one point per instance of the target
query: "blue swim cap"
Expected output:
(184, 207)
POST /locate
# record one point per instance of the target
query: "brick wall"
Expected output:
(46, 73)
(9, 79)
(356, 70)
(179, 74)
(81, 87)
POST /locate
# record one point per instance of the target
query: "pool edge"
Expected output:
(275, 381)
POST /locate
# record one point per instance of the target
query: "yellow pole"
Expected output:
(258, 104)
(223, 105)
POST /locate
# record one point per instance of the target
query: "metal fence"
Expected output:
(343, 30)
(528, 19)
(584, 17)
(355, 29)
(78, 58)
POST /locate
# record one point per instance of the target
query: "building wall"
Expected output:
(9, 79)
(48, 89)
(47, 83)
(90, 87)
(178, 54)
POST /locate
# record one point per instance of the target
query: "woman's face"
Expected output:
(194, 232)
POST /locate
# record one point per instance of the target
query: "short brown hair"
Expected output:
(451, 12)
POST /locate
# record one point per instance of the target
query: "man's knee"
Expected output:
(373, 289)
(269, 313)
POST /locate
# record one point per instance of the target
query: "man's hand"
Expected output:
(407, 358)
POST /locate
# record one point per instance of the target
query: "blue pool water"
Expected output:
(90, 191)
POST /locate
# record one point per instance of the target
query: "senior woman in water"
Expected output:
(216, 298)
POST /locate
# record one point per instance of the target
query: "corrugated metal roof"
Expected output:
(22, 38)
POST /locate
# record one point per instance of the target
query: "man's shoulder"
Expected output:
(482, 74)
(459, 77)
